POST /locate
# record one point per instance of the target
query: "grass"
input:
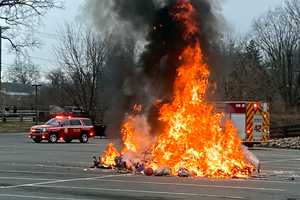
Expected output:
(15, 127)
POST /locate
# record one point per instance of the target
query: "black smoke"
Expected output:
(151, 21)
(160, 58)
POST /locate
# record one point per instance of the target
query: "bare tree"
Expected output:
(248, 80)
(228, 53)
(56, 78)
(277, 35)
(23, 14)
(54, 93)
(293, 10)
(82, 54)
(23, 71)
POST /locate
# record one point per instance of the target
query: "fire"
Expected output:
(184, 13)
(194, 137)
(135, 133)
(108, 157)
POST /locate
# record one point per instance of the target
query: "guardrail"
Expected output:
(285, 131)
(17, 117)
(19, 114)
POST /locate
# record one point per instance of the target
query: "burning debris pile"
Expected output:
(194, 141)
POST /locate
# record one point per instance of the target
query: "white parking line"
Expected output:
(278, 167)
(269, 150)
(9, 152)
(197, 185)
(282, 160)
(268, 181)
(36, 172)
(37, 197)
(26, 178)
(40, 165)
(63, 181)
(146, 192)
(6, 134)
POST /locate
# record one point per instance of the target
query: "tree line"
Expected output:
(262, 65)
(265, 64)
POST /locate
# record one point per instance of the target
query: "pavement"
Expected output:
(60, 172)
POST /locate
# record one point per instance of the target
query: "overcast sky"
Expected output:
(239, 14)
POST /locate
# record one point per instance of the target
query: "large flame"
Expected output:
(107, 158)
(135, 134)
(193, 137)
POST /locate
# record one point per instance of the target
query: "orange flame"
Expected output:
(193, 137)
(135, 134)
(108, 156)
(184, 13)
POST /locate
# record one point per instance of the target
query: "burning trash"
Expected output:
(183, 173)
(194, 142)
(163, 171)
(108, 159)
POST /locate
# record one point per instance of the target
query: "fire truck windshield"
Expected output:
(54, 122)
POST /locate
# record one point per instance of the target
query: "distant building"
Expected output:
(16, 94)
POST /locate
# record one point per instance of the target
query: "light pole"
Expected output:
(2, 28)
(36, 102)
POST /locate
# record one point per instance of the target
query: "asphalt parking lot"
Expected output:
(59, 172)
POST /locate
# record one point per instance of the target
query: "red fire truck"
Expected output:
(63, 128)
(252, 119)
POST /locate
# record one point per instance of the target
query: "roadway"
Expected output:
(59, 172)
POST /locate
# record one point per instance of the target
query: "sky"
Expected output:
(239, 15)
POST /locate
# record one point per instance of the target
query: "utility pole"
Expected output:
(2, 28)
(36, 102)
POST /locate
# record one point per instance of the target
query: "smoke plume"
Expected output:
(148, 24)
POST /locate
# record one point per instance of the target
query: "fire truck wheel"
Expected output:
(53, 138)
(37, 140)
(84, 138)
(68, 140)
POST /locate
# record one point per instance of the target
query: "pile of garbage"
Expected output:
(285, 143)
(136, 167)
(122, 164)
